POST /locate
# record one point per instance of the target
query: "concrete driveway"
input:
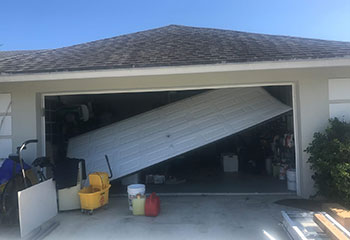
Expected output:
(183, 217)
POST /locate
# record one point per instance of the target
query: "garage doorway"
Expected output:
(248, 162)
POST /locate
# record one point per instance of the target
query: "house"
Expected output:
(312, 76)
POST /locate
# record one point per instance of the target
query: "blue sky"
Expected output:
(41, 24)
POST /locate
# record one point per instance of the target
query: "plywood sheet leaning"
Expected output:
(37, 205)
(160, 134)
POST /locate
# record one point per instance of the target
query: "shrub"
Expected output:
(330, 161)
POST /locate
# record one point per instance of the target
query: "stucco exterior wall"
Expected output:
(310, 93)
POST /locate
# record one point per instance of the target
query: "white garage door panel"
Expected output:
(213, 133)
(171, 130)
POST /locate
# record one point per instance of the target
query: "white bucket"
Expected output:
(292, 186)
(291, 175)
(133, 190)
(291, 180)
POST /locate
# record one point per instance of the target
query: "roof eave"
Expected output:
(170, 70)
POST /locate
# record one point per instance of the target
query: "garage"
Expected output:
(251, 159)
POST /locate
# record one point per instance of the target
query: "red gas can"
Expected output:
(152, 205)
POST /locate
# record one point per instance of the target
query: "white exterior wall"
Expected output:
(339, 98)
(5, 124)
(311, 98)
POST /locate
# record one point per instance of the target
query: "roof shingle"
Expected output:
(172, 45)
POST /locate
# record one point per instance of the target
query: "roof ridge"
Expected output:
(188, 27)
(110, 38)
(192, 27)
(174, 45)
(257, 33)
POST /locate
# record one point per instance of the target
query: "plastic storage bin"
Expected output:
(68, 198)
(230, 162)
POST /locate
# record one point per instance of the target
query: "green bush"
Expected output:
(330, 161)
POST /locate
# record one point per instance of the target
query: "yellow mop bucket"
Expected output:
(96, 195)
(99, 180)
(91, 198)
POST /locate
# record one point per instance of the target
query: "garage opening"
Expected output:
(252, 160)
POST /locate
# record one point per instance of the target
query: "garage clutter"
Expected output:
(155, 179)
(283, 159)
(84, 126)
(96, 194)
(169, 154)
(139, 204)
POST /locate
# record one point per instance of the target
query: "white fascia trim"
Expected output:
(209, 68)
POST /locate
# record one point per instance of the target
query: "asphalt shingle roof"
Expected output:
(6, 54)
(171, 45)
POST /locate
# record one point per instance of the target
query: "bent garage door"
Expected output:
(160, 134)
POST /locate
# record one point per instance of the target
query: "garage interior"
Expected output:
(250, 161)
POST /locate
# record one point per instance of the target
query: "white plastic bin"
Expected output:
(291, 180)
(291, 186)
(68, 198)
(230, 162)
(133, 190)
